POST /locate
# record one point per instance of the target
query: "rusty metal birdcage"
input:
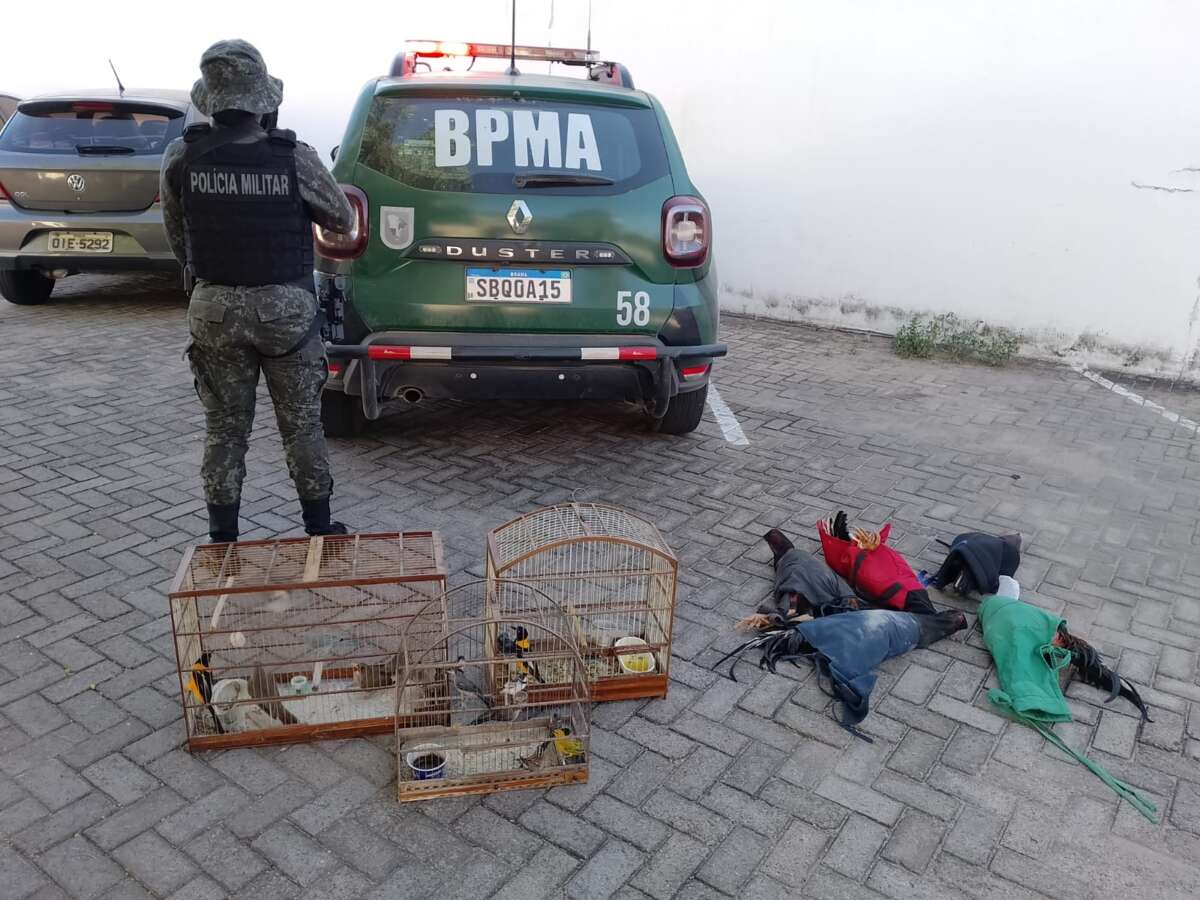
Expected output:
(298, 639)
(500, 703)
(613, 573)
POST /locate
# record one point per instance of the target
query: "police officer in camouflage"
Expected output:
(239, 198)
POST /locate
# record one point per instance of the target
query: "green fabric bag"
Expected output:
(1020, 638)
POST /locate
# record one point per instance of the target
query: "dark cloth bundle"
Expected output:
(804, 584)
(847, 648)
(977, 560)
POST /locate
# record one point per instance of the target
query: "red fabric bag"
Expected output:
(881, 576)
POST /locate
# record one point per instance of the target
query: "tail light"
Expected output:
(332, 245)
(694, 371)
(686, 231)
(4, 198)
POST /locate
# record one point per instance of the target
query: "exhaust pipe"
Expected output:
(412, 395)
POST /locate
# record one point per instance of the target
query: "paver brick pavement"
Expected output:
(746, 789)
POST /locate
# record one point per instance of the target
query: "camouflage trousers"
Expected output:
(237, 332)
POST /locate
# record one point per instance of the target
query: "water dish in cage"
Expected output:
(426, 764)
(638, 663)
(228, 700)
(236, 709)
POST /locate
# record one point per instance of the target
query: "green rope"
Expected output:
(1140, 803)
(1136, 800)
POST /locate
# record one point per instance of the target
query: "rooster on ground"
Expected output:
(877, 573)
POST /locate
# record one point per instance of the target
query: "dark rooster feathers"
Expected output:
(1088, 666)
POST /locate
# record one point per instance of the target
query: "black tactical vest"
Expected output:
(244, 220)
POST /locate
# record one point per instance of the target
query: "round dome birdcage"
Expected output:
(612, 574)
(500, 700)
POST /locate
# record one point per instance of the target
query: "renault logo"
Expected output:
(76, 183)
(519, 216)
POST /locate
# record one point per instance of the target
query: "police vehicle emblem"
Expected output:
(396, 226)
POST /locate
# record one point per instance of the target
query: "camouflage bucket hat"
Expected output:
(234, 76)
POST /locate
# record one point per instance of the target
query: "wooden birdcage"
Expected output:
(298, 639)
(613, 573)
(503, 700)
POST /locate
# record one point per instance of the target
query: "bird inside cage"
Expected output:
(475, 704)
(373, 676)
(200, 686)
(472, 702)
(262, 687)
(569, 748)
(518, 644)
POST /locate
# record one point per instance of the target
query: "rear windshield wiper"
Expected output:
(554, 180)
(97, 149)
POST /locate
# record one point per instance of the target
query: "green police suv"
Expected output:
(518, 237)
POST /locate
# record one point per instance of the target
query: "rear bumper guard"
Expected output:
(660, 356)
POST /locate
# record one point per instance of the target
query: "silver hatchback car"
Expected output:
(79, 186)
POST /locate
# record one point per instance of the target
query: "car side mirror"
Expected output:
(333, 153)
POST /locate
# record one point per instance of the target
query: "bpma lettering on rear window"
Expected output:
(481, 143)
(537, 139)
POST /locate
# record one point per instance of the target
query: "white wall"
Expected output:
(864, 159)
(974, 157)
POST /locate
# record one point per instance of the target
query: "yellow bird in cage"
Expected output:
(518, 646)
(569, 748)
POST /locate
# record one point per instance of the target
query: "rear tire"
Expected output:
(684, 413)
(25, 287)
(341, 414)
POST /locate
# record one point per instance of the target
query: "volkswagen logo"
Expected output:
(519, 217)
(76, 183)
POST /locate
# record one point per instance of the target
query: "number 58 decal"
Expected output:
(636, 312)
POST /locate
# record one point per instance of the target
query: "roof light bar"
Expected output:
(500, 51)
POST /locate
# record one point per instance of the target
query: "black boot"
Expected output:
(316, 518)
(223, 522)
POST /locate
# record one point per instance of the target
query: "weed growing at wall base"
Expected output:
(924, 337)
